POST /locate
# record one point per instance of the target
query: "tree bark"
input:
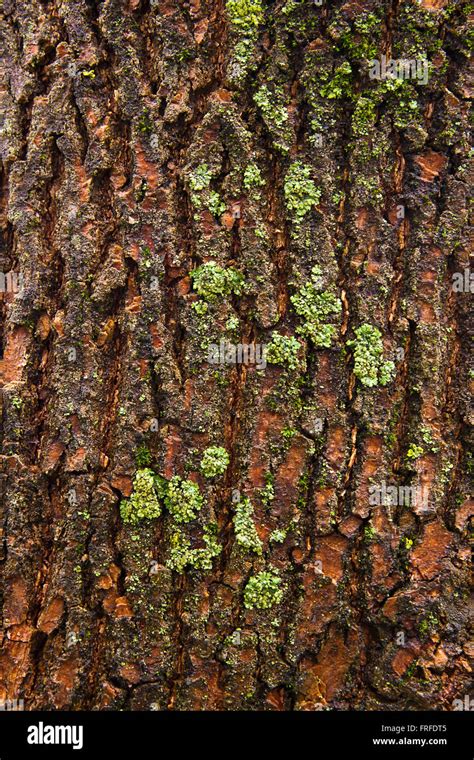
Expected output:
(142, 140)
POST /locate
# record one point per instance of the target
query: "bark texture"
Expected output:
(141, 140)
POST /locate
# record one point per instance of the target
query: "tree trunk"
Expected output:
(184, 526)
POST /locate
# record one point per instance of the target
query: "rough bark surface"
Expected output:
(141, 140)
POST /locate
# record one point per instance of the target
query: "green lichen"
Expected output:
(200, 179)
(232, 323)
(273, 111)
(182, 556)
(215, 461)
(201, 194)
(263, 591)
(245, 15)
(143, 504)
(340, 85)
(369, 532)
(143, 456)
(428, 439)
(362, 41)
(278, 536)
(199, 182)
(283, 350)
(252, 177)
(216, 205)
(211, 281)
(369, 365)
(267, 494)
(315, 306)
(301, 193)
(288, 433)
(183, 499)
(364, 116)
(245, 532)
(414, 451)
(200, 307)
(145, 123)
(429, 623)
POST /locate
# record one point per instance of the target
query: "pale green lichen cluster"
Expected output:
(211, 281)
(340, 84)
(245, 14)
(415, 451)
(245, 531)
(263, 591)
(245, 17)
(273, 105)
(201, 194)
(181, 555)
(369, 365)
(278, 536)
(143, 503)
(215, 461)
(315, 306)
(283, 350)
(215, 204)
(199, 180)
(364, 116)
(252, 177)
(301, 193)
(273, 111)
(183, 499)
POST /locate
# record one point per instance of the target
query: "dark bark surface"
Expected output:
(142, 140)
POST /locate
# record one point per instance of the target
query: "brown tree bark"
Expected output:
(141, 140)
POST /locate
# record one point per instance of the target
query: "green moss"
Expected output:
(215, 461)
(301, 193)
(212, 281)
(143, 504)
(183, 499)
(245, 532)
(263, 591)
(314, 307)
(369, 365)
(17, 402)
(245, 15)
(283, 350)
